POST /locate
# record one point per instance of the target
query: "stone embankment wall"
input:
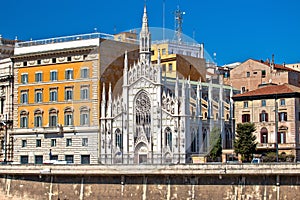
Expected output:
(143, 184)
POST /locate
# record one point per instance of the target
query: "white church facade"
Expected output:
(158, 120)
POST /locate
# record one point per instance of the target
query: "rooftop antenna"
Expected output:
(164, 6)
(178, 24)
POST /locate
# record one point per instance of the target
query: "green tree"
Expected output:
(244, 143)
(215, 142)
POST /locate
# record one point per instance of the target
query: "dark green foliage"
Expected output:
(216, 144)
(283, 157)
(244, 142)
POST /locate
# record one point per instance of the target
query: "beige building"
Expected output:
(294, 66)
(274, 109)
(252, 73)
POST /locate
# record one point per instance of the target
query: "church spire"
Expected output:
(145, 40)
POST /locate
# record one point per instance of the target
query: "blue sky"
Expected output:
(235, 29)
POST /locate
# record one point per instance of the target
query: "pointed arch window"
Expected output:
(143, 114)
(38, 118)
(168, 137)
(119, 139)
(194, 145)
(68, 116)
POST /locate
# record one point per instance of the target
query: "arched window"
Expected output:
(68, 116)
(23, 119)
(52, 117)
(119, 139)
(38, 118)
(84, 116)
(263, 116)
(168, 137)
(264, 135)
(204, 140)
(194, 138)
(143, 114)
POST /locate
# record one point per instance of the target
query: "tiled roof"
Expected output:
(276, 66)
(271, 90)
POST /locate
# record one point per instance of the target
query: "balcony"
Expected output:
(266, 146)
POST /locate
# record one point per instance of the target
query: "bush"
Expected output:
(270, 157)
(283, 157)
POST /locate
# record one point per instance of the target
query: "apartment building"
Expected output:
(252, 73)
(56, 96)
(274, 109)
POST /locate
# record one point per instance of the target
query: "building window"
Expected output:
(263, 116)
(263, 73)
(38, 159)
(38, 77)
(52, 118)
(163, 51)
(85, 159)
(85, 142)
(24, 143)
(24, 78)
(24, 96)
(53, 94)
(281, 137)
(68, 113)
(194, 138)
(53, 75)
(168, 137)
(68, 93)
(69, 158)
(263, 103)
(282, 116)
(53, 60)
(119, 139)
(24, 159)
(69, 74)
(282, 102)
(38, 96)
(53, 142)
(264, 135)
(84, 92)
(38, 118)
(84, 116)
(24, 119)
(164, 67)
(245, 118)
(84, 72)
(69, 58)
(245, 104)
(243, 89)
(38, 143)
(69, 142)
(170, 67)
(248, 74)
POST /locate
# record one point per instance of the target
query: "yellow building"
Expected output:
(180, 59)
